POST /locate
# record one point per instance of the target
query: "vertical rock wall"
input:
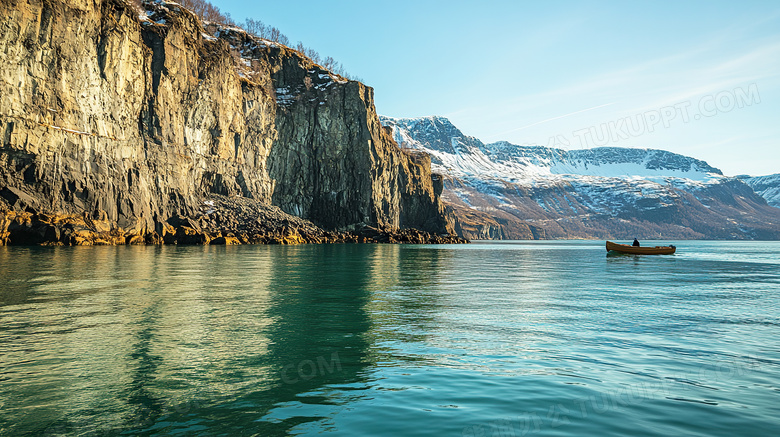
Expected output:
(136, 120)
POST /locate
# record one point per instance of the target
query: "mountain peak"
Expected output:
(429, 133)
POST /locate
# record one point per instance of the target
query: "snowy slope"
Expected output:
(767, 187)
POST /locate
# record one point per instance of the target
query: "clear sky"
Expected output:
(697, 78)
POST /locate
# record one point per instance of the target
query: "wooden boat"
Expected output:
(634, 250)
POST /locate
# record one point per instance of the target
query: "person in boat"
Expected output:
(636, 243)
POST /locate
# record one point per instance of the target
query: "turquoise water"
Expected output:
(493, 339)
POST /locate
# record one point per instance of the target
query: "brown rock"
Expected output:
(225, 241)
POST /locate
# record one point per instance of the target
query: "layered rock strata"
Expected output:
(117, 124)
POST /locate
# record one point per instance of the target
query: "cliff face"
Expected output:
(133, 120)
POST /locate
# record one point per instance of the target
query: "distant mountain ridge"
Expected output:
(431, 134)
(503, 190)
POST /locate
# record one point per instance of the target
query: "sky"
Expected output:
(699, 78)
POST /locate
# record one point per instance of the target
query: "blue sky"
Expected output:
(697, 78)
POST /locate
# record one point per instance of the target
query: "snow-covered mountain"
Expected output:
(503, 190)
(767, 187)
(461, 155)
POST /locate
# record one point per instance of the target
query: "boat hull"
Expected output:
(634, 250)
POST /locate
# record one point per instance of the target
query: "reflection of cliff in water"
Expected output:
(316, 337)
(331, 329)
(283, 343)
(250, 340)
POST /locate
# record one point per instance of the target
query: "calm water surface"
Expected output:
(505, 339)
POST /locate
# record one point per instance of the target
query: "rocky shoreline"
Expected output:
(220, 220)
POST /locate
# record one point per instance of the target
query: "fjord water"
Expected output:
(513, 338)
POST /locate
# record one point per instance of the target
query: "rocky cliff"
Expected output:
(123, 122)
